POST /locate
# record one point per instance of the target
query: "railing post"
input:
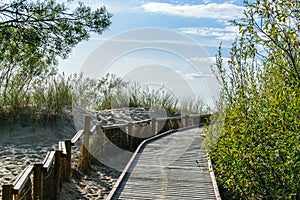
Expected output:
(101, 139)
(154, 126)
(7, 192)
(182, 122)
(68, 160)
(85, 156)
(38, 179)
(192, 120)
(186, 120)
(130, 136)
(58, 166)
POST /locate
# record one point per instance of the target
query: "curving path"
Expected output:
(168, 167)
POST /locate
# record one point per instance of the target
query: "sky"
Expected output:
(176, 38)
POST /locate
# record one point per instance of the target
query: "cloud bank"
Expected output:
(227, 33)
(224, 11)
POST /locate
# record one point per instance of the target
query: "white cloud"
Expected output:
(145, 41)
(199, 76)
(224, 11)
(206, 1)
(227, 33)
(209, 60)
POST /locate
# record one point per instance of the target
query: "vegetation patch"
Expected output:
(255, 143)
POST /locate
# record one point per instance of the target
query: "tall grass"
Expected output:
(153, 98)
(53, 96)
(134, 95)
(46, 99)
(43, 100)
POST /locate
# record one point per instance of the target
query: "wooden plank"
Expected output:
(142, 121)
(213, 179)
(154, 126)
(85, 153)
(38, 181)
(7, 192)
(47, 162)
(166, 168)
(76, 137)
(93, 129)
(68, 160)
(114, 126)
(21, 180)
(62, 147)
(58, 171)
(130, 164)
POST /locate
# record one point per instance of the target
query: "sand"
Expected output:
(21, 146)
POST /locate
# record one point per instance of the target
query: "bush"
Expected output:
(256, 153)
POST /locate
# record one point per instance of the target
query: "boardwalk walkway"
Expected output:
(171, 167)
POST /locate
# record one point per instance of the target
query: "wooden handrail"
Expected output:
(47, 162)
(93, 129)
(76, 137)
(142, 121)
(21, 180)
(62, 147)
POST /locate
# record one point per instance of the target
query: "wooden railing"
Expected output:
(44, 180)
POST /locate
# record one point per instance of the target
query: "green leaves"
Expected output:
(256, 150)
(34, 34)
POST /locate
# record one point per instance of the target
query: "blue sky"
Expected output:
(205, 22)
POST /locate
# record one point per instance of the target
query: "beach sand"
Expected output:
(21, 146)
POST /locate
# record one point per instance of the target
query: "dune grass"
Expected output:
(47, 99)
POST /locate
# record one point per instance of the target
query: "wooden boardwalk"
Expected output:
(168, 167)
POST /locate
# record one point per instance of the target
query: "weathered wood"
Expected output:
(195, 119)
(93, 129)
(68, 160)
(25, 193)
(123, 137)
(191, 120)
(154, 126)
(85, 153)
(7, 192)
(128, 167)
(62, 148)
(38, 181)
(136, 133)
(160, 123)
(186, 120)
(58, 171)
(142, 121)
(117, 136)
(213, 178)
(101, 139)
(48, 161)
(22, 179)
(130, 137)
(166, 168)
(49, 182)
(76, 137)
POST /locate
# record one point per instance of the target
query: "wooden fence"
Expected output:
(44, 180)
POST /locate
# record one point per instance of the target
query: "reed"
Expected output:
(46, 99)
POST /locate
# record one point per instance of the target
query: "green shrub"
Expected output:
(256, 151)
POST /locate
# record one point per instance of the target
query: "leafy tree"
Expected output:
(257, 152)
(33, 34)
